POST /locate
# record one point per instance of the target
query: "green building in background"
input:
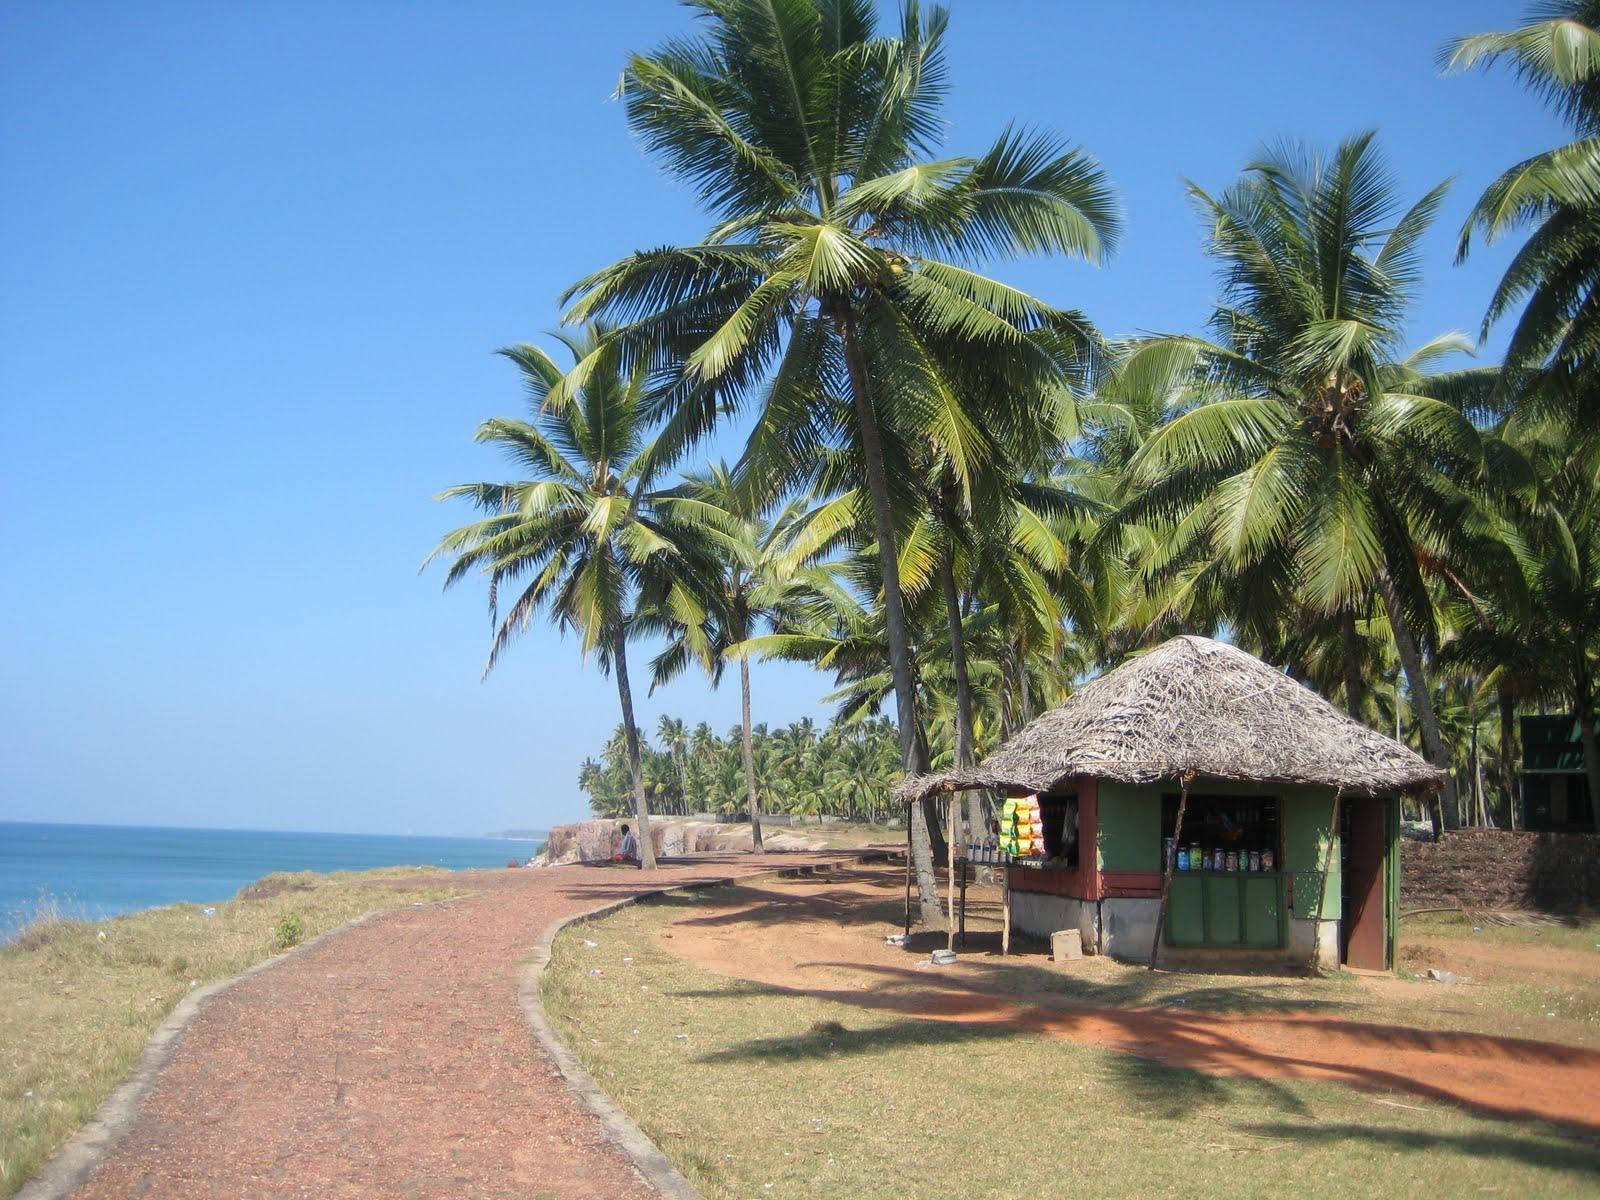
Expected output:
(1554, 787)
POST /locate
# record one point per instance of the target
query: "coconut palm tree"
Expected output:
(579, 536)
(674, 735)
(1317, 463)
(1563, 630)
(842, 263)
(1556, 274)
(759, 577)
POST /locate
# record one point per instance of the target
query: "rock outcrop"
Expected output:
(674, 837)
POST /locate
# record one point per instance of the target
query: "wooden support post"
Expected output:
(961, 933)
(908, 872)
(1322, 887)
(1172, 861)
(950, 834)
(1005, 908)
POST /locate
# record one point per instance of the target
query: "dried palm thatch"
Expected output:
(1193, 705)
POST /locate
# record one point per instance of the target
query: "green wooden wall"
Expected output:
(1305, 840)
(1130, 816)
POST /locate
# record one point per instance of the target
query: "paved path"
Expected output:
(390, 1061)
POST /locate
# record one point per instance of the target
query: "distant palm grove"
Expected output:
(842, 771)
(958, 499)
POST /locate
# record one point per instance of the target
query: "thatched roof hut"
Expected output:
(1193, 705)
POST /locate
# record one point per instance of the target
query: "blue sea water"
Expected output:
(100, 870)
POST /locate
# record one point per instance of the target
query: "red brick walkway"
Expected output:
(390, 1061)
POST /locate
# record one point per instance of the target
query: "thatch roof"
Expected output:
(1193, 704)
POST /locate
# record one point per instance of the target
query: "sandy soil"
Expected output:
(390, 1061)
(826, 938)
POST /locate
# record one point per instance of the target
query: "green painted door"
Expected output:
(1186, 911)
(1262, 912)
(1224, 926)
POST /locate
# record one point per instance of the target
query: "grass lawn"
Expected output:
(1518, 973)
(79, 999)
(755, 1092)
(847, 835)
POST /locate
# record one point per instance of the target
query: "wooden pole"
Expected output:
(1322, 889)
(951, 833)
(961, 933)
(908, 872)
(1172, 861)
(1005, 908)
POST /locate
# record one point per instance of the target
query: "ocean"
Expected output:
(92, 871)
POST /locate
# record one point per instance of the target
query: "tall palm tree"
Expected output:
(1556, 274)
(842, 263)
(674, 735)
(579, 536)
(1317, 464)
(1564, 546)
(759, 577)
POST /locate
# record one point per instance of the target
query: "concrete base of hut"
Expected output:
(1303, 935)
(1125, 927)
(1039, 915)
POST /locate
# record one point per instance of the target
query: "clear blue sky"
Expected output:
(253, 261)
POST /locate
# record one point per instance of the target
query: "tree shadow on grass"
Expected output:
(1019, 982)
(1171, 1092)
(829, 1039)
(1175, 1092)
(862, 900)
(1541, 1146)
(738, 989)
(1189, 1038)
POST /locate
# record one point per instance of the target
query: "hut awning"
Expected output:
(1192, 705)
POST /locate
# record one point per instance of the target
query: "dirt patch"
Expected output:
(825, 938)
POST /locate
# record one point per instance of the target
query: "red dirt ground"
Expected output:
(391, 1061)
(819, 937)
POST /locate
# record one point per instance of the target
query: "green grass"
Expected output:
(1519, 994)
(79, 999)
(754, 1092)
(1579, 933)
(846, 835)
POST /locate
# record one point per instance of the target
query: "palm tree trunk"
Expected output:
(1354, 691)
(894, 614)
(1484, 818)
(1024, 702)
(749, 757)
(958, 657)
(641, 811)
(1405, 643)
(1475, 762)
(933, 808)
(1508, 754)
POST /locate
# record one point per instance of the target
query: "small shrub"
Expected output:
(276, 884)
(49, 922)
(287, 932)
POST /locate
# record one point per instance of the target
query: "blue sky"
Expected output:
(254, 259)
